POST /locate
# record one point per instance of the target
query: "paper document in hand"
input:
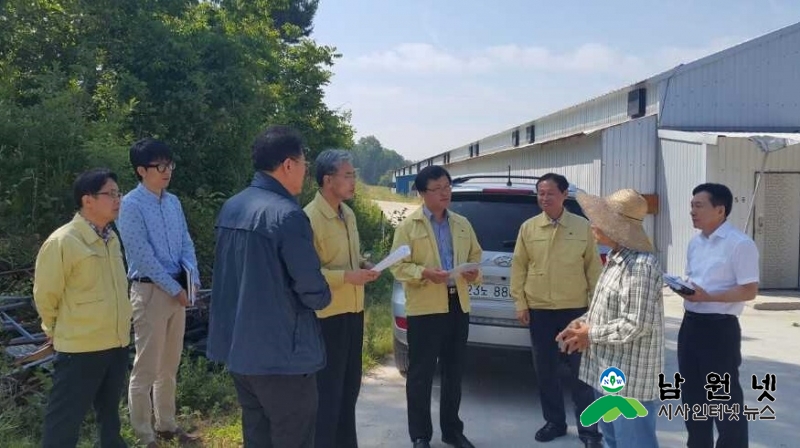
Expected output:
(191, 293)
(393, 258)
(463, 267)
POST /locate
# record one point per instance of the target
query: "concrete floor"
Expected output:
(500, 403)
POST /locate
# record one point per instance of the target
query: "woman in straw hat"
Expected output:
(624, 327)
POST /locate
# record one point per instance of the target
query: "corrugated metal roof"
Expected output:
(651, 82)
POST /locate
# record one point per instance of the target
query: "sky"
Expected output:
(428, 76)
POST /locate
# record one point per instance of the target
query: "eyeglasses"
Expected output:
(445, 189)
(113, 194)
(162, 167)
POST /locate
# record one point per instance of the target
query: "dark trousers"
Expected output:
(432, 337)
(711, 343)
(340, 381)
(278, 411)
(82, 381)
(545, 326)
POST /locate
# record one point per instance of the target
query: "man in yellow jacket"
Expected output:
(437, 305)
(342, 322)
(554, 270)
(81, 294)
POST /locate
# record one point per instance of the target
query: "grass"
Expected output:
(377, 335)
(206, 395)
(379, 193)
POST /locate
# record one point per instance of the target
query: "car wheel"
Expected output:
(401, 357)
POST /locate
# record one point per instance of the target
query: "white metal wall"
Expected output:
(754, 85)
(460, 153)
(607, 110)
(735, 162)
(600, 112)
(629, 160)
(681, 166)
(576, 158)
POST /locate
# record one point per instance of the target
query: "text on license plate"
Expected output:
(489, 291)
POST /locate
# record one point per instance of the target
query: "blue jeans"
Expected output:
(639, 432)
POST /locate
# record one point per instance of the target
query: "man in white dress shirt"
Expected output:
(722, 264)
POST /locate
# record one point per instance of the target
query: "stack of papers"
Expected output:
(404, 251)
(458, 270)
(393, 258)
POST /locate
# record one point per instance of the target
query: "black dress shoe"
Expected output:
(459, 441)
(549, 432)
(421, 443)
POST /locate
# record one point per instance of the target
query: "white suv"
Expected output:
(496, 206)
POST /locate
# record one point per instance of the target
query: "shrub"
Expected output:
(204, 388)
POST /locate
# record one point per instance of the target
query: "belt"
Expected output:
(181, 279)
(709, 316)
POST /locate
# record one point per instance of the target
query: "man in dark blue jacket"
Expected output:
(267, 284)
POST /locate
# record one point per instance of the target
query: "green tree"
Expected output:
(298, 13)
(80, 81)
(374, 162)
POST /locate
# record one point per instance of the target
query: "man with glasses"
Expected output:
(337, 243)
(80, 294)
(160, 253)
(554, 270)
(267, 287)
(437, 305)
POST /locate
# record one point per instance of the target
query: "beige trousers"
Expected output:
(159, 322)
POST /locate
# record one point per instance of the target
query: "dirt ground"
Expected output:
(396, 211)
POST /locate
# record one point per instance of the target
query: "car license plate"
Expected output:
(489, 291)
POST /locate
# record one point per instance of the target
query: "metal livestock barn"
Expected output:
(723, 118)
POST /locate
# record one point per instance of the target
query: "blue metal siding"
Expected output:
(403, 184)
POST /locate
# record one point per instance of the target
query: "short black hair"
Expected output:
(91, 182)
(561, 182)
(720, 195)
(429, 173)
(276, 144)
(148, 150)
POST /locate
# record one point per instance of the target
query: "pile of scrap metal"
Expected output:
(21, 336)
(22, 340)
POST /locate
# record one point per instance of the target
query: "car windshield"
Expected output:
(497, 218)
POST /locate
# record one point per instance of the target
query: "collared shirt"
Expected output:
(80, 290)
(424, 297)
(554, 266)
(104, 233)
(156, 238)
(626, 324)
(725, 259)
(444, 238)
(337, 243)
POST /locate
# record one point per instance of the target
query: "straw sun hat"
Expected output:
(619, 216)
